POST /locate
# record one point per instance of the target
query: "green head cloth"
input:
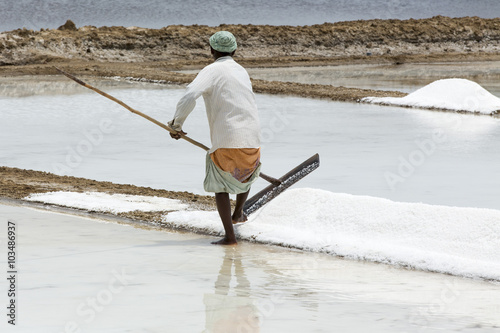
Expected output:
(223, 41)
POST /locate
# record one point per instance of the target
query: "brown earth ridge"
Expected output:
(154, 54)
(176, 42)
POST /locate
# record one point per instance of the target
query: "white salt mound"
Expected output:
(447, 94)
(453, 240)
(113, 203)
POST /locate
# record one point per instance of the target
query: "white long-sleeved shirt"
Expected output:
(230, 103)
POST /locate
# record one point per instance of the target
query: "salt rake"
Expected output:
(277, 185)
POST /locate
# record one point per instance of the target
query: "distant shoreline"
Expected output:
(154, 54)
(393, 41)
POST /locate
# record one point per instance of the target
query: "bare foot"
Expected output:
(239, 218)
(225, 241)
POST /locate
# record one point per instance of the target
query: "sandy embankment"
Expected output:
(154, 53)
(18, 183)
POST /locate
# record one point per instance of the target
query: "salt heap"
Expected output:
(108, 203)
(448, 94)
(453, 240)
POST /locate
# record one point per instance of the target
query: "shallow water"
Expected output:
(405, 77)
(106, 277)
(401, 154)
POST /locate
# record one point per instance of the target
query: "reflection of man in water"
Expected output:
(231, 313)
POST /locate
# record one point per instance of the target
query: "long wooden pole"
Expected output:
(168, 128)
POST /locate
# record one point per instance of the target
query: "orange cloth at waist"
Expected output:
(239, 162)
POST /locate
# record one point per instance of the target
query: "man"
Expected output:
(233, 162)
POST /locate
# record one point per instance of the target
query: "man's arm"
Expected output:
(186, 104)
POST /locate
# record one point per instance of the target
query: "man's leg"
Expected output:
(224, 208)
(238, 215)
